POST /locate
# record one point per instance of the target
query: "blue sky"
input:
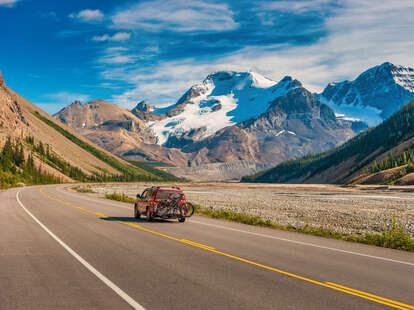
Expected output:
(54, 52)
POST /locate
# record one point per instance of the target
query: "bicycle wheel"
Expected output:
(189, 209)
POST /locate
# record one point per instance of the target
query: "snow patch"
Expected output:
(350, 112)
(283, 131)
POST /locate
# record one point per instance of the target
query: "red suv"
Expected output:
(163, 202)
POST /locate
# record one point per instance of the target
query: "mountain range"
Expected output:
(237, 123)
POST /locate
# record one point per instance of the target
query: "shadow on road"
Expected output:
(134, 220)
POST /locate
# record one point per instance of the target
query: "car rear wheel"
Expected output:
(181, 219)
(148, 214)
(137, 215)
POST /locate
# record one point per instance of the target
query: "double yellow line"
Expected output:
(337, 287)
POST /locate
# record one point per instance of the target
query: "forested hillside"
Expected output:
(16, 167)
(367, 153)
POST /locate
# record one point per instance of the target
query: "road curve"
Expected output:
(64, 250)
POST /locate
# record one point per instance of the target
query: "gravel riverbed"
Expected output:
(345, 210)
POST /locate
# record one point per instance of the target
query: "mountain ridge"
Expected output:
(374, 95)
(354, 162)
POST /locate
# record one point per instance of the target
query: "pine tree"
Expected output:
(374, 167)
(19, 155)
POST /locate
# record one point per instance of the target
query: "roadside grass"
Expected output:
(394, 237)
(81, 189)
(120, 197)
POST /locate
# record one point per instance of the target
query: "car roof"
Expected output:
(175, 189)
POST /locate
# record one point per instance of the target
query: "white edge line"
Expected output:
(99, 275)
(263, 235)
(305, 243)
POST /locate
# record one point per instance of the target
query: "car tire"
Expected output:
(148, 214)
(137, 215)
(181, 219)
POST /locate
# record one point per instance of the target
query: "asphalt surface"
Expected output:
(65, 250)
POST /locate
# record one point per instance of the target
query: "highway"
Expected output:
(65, 250)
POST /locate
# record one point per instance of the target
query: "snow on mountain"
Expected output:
(374, 95)
(223, 99)
(404, 77)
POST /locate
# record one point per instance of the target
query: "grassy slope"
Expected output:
(128, 172)
(363, 149)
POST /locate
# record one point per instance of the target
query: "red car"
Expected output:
(163, 202)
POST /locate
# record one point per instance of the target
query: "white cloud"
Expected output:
(116, 55)
(176, 15)
(117, 59)
(117, 37)
(88, 16)
(296, 6)
(8, 3)
(360, 35)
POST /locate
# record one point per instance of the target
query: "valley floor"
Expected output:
(356, 210)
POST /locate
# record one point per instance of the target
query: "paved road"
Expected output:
(64, 250)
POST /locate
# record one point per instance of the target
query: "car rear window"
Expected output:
(166, 194)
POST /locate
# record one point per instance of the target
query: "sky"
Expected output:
(124, 51)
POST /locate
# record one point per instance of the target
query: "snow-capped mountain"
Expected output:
(241, 118)
(223, 99)
(295, 124)
(374, 95)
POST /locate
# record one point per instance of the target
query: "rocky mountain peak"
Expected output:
(76, 103)
(389, 73)
(143, 106)
(144, 111)
(300, 100)
(374, 95)
(289, 83)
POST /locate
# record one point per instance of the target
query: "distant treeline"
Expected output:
(391, 161)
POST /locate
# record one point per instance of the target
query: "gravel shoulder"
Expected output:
(348, 210)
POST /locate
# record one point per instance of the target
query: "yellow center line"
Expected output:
(371, 295)
(197, 244)
(337, 287)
